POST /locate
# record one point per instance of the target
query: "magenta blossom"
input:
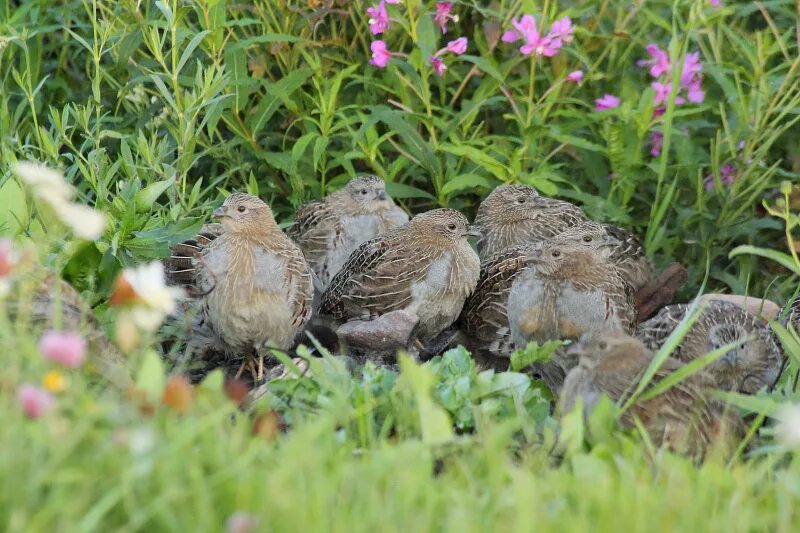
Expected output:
(658, 62)
(727, 175)
(63, 347)
(394, 1)
(525, 28)
(457, 47)
(608, 101)
(561, 32)
(442, 15)
(438, 65)
(656, 143)
(715, 3)
(695, 92)
(380, 54)
(576, 76)
(378, 18)
(35, 401)
(662, 93)
(691, 68)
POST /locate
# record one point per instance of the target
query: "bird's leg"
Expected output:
(260, 367)
(241, 369)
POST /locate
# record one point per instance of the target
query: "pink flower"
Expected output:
(35, 401)
(561, 32)
(240, 522)
(656, 143)
(695, 92)
(443, 15)
(535, 44)
(458, 47)
(662, 93)
(378, 18)
(727, 175)
(692, 67)
(438, 65)
(380, 54)
(394, 1)
(715, 3)
(63, 347)
(659, 62)
(608, 101)
(576, 76)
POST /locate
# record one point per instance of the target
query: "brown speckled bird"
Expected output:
(426, 267)
(484, 320)
(753, 364)
(565, 291)
(515, 215)
(257, 286)
(682, 418)
(329, 230)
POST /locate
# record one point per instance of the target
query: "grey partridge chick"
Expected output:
(682, 418)
(180, 266)
(753, 364)
(257, 285)
(329, 230)
(566, 290)
(515, 215)
(484, 320)
(425, 267)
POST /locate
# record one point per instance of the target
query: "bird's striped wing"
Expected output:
(181, 265)
(376, 279)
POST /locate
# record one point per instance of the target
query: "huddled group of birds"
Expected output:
(542, 271)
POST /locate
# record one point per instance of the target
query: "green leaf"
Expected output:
(434, 421)
(236, 66)
(401, 190)
(426, 36)
(145, 198)
(187, 52)
(466, 181)
(781, 258)
(14, 216)
(486, 65)
(480, 158)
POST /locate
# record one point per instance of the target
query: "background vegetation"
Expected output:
(155, 110)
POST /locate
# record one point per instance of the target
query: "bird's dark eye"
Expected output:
(556, 253)
(451, 227)
(602, 345)
(587, 238)
(364, 191)
(521, 200)
(241, 209)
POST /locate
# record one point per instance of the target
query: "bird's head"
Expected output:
(507, 204)
(442, 226)
(566, 261)
(613, 348)
(366, 194)
(242, 212)
(590, 235)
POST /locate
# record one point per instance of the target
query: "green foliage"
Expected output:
(156, 110)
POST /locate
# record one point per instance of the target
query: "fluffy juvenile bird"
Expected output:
(329, 230)
(515, 215)
(257, 286)
(752, 364)
(425, 267)
(682, 418)
(566, 290)
(484, 320)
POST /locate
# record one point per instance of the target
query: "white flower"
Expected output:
(146, 290)
(9, 257)
(787, 430)
(49, 186)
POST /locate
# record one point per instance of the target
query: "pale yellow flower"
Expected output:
(787, 430)
(50, 187)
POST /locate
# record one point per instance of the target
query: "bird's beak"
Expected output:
(472, 231)
(219, 212)
(534, 256)
(608, 239)
(382, 195)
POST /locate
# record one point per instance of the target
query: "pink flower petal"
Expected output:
(438, 65)
(458, 47)
(576, 76)
(378, 18)
(66, 348)
(608, 101)
(35, 401)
